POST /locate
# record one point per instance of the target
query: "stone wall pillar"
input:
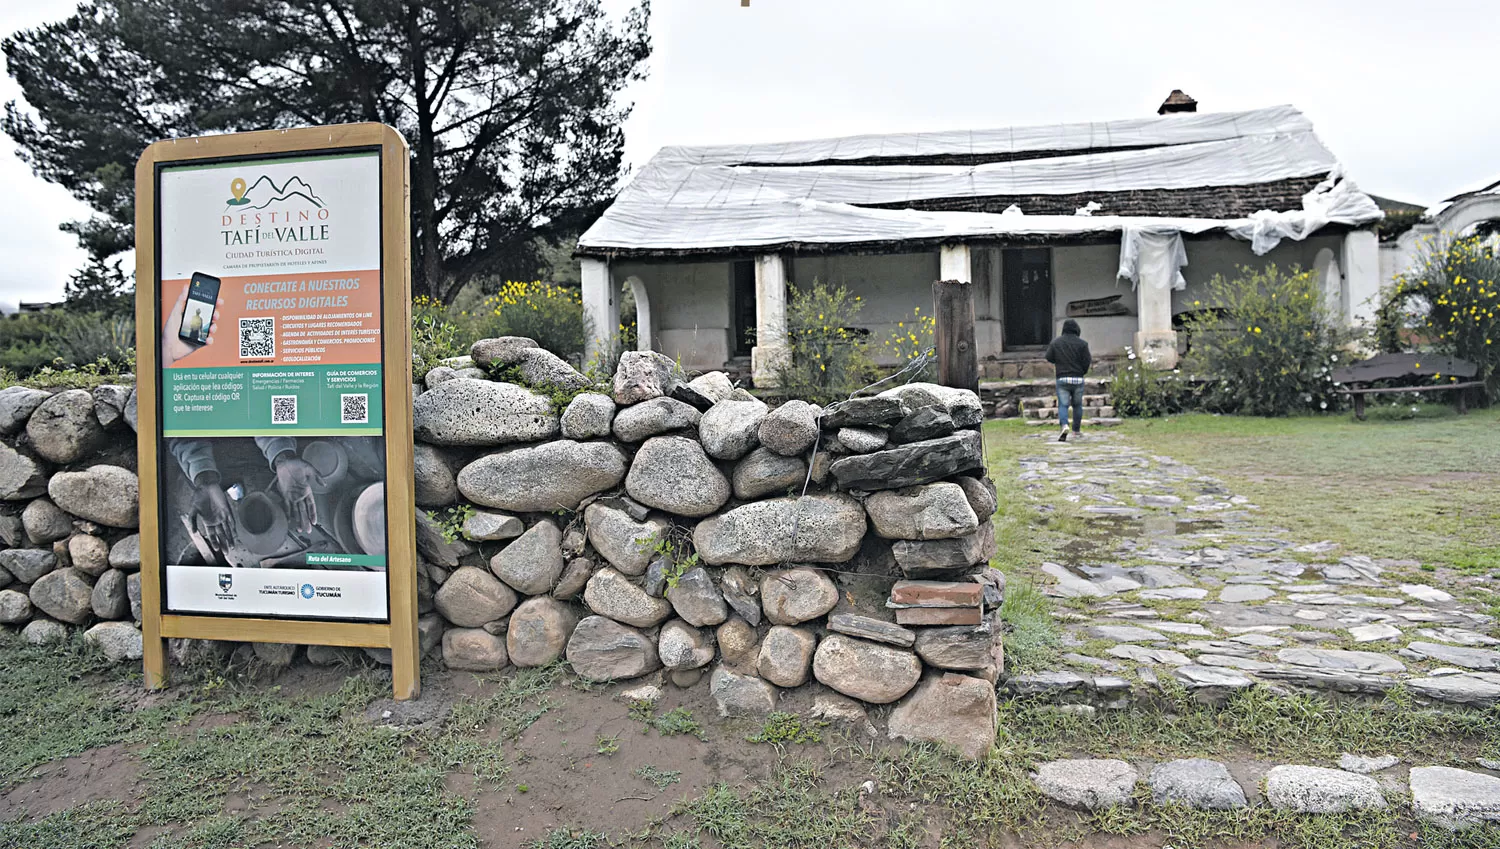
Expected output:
(1360, 262)
(601, 310)
(953, 263)
(771, 348)
(1155, 340)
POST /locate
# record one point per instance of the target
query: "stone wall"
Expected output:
(657, 524)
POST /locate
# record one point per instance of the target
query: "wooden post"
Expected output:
(953, 309)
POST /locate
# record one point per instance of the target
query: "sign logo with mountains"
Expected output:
(266, 187)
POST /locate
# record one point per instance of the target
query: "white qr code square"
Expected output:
(257, 338)
(283, 409)
(354, 409)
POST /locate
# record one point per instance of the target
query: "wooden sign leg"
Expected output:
(154, 654)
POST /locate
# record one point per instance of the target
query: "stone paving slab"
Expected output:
(1177, 576)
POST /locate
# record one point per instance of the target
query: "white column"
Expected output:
(645, 339)
(1361, 266)
(601, 311)
(771, 349)
(953, 263)
(1155, 340)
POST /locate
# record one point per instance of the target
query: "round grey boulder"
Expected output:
(715, 386)
(542, 478)
(40, 632)
(15, 607)
(862, 440)
(27, 565)
(471, 597)
(63, 428)
(602, 649)
(465, 411)
(741, 695)
(435, 484)
(65, 595)
(672, 473)
(109, 599)
(119, 641)
(681, 646)
(627, 544)
(824, 528)
(531, 564)
(489, 526)
(953, 710)
(731, 428)
(45, 522)
(21, 477)
(473, 650)
(609, 593)
(652, 418)
(870, 672)
(539, 631)
(1317, 790)
(1087, 783)
(126, 553)
(786, 656)
(1197, 783)
(109, 495)
(790, 429)
(763, 472)
(541, 367)
(697, 600)
(641, 376)
(738, 642)
(792, 596)
(588, 416)
(88, 553)
(17, 403)
(981, 495)
(961, 405)
(500, 351)
(933, 511)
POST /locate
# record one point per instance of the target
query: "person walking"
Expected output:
(1070, 355)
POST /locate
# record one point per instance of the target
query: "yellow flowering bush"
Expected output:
(829, 355)
(547, 312)
(1449, 302)
(911, 339)
(1272, 349)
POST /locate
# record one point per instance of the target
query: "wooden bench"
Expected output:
(1444, 373)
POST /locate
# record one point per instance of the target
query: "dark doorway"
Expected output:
(742, 307)
(1026, 281)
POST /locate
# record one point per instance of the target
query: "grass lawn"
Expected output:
(1424, 488)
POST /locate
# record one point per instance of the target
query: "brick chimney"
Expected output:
(1177, 102)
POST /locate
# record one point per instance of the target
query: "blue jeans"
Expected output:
(1070, 393)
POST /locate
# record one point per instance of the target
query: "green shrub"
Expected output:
(434, 336)
(912, 345)
(1275, 352)
(1449, 302)
(1141, 389)
(829, 359)
(549, 313)
(58, 340)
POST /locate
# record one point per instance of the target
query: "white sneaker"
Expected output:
(1063, 437)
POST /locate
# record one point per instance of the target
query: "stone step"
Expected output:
(1088, 412)
(1101, 421)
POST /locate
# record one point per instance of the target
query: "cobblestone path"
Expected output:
(1175, 575)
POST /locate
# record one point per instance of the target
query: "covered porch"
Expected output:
(710, 312)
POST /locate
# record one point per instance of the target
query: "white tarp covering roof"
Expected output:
(818, 192)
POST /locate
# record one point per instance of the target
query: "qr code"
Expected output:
(283, 409)
(354, 409)
(257, 338)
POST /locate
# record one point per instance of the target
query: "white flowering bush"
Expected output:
(1141, 389)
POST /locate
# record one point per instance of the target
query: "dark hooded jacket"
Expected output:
(1069, 352)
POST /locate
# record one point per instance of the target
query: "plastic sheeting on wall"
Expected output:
(1156, 255)
(1333, 200)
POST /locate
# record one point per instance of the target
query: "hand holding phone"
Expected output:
(190, 324)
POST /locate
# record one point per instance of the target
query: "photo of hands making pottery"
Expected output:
(270, 502)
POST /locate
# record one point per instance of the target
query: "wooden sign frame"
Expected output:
(399, 632)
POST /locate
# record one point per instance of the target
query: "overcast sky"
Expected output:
(1404, 93)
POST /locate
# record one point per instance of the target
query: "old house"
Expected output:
(1117, 223)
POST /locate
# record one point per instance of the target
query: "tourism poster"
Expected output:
(273, 456)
